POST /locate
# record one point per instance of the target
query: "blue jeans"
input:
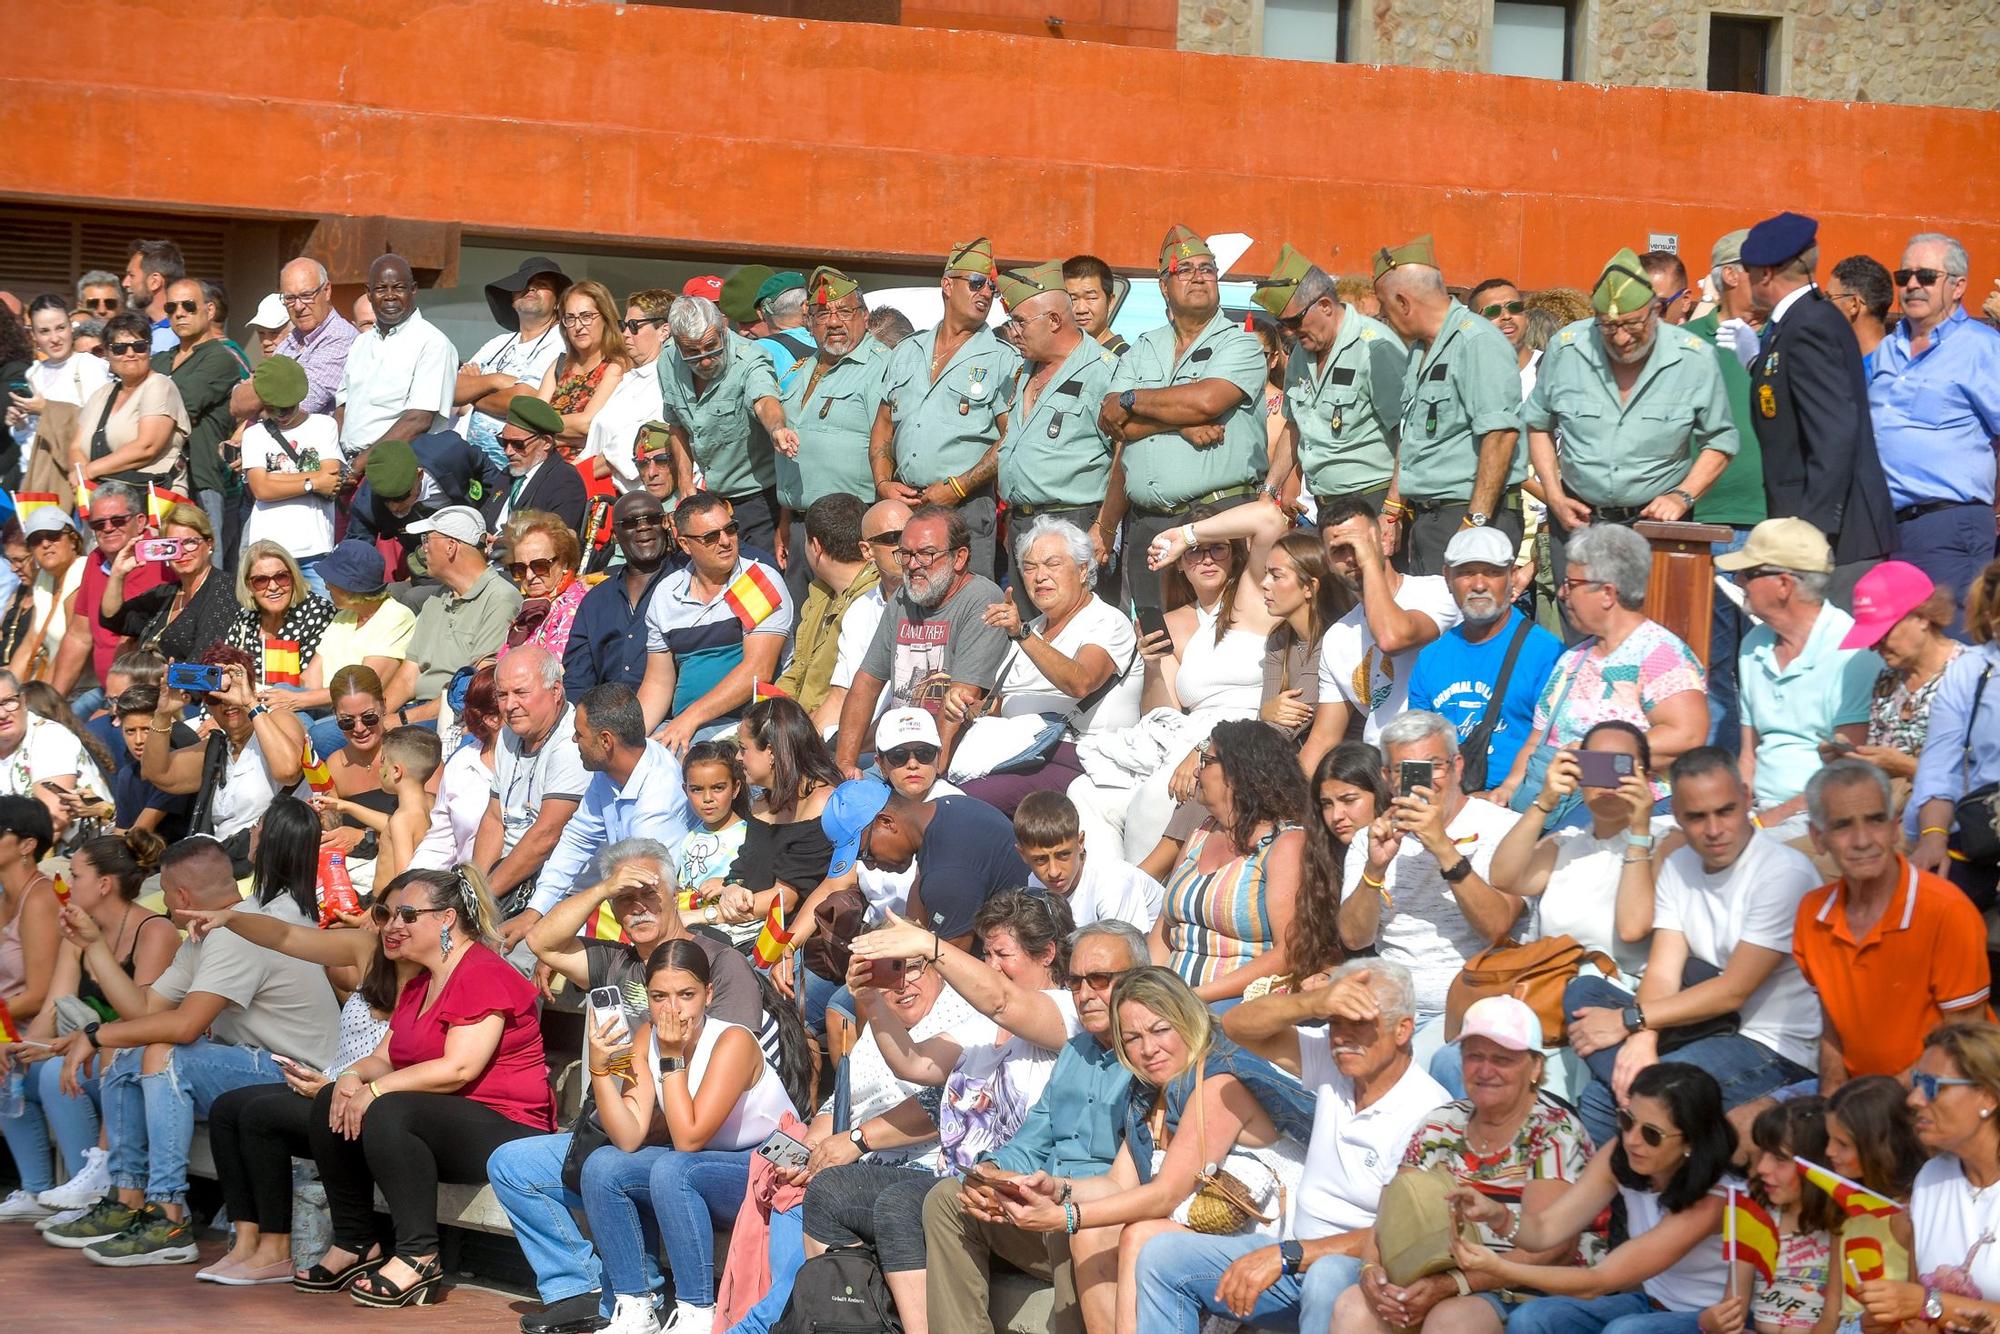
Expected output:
(689, 1196)
(49, 1113)
(214, 505)
(1744, 1067)
(526, 1176)
(1620, 1313)
(1951, 546)
(1178, 1272)
(1727, 625)
(87, 704)
(309, 567)
(150, 1118)
(787, 1252)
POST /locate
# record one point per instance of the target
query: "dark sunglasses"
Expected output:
(259, 582)
(520, 446)
(1511, 307)
(888, 537)
(538, 567)
(382, 912)
(177, 307)
(128, 349)
(714, 536)
(1924, 277)
(103, 303)
(111, 521)
(701, 353)
(1095, 981)
(978, 282)
(350, 722)
(639, 523)
(920, 751)
(633, 326)
(1653, 1135)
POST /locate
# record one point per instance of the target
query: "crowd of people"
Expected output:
(923, 758)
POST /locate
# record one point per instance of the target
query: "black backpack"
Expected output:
(840, 1292)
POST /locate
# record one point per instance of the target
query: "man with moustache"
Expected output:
(607, 640)
(1644, 419)
(401, 374)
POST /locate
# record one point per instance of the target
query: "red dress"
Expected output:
(516, 1082)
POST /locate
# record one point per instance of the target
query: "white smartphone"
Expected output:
(607, 1001)
(783, 1150)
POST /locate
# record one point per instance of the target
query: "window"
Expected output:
(1740, 54)
(1534, 38)
(1307, 29)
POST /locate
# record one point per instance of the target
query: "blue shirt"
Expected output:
(1074, 1127)
(785, 361)
(1794, 707)
(607, 636)
(134, 796)
(1936, 414)
(650, 804)
(1455, 677)
(1943, 770)
(164, 337)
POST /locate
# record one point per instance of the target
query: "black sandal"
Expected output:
(382, 1292)
(321, 1279)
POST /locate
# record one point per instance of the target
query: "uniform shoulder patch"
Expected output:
(1367, 334)
(1692, 343)
(1568, 336)
(795, 365)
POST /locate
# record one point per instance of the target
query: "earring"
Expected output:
(444, 939)
(1985, 1112)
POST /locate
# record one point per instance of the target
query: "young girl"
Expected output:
(719, 795)
(1795, 1298)
(1870, 1139)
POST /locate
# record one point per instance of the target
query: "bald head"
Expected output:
(881, 530)
(393, 289)
(1414, 301)
(306, 292)
(1047, 327)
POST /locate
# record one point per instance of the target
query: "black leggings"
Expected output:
(868, 1204)
(409, 1142)
(255, 1132)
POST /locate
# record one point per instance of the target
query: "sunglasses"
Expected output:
(1924, 277)
(1509, 307)
(1653, 1135)
(129, 349)
(350, 722)
(639, 523)
(260, 582)
(110, 521)
(522, 445)
(898, 756)
(700, 353)
(404, 913)
(538, 567)
(1214, 551)
(633, 326)
(978, 282)
(1094, 981)
(888, 537)
(182, 307)
(103, 303)
(714, 535)
(1928, 1085)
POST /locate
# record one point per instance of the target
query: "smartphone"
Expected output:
(1603, 768)
(157, 548)
(287, 1063)
(888, 974)
(783, 1150)
(1152, 621)
(194, 678)
(1413, 775)
(1841, 744)
(29, 1042)
(607, 1000)
(20, 389)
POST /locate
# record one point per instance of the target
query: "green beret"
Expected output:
(1182, 244)
(827, 285)
(280, 382)
(1623, 288)
(974, 256)
(535, 415)
(739, 292)
(779, 282)
(1276, 292)
(392, 469)
(1420, 251)
(1018, 285)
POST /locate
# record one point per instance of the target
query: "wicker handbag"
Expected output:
(1222, 1203)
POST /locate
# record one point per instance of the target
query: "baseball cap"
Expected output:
(1883, 596)
(849, 810)
(1785, 544)
(271, 314)
(1479, 546)
(47, 519)
(703, 284)
(1504, 1020)
(354, 566)
(903, 727)
(1728, 248)
(459, 522)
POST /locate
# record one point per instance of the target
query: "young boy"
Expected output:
(410, 755)
(1050, 840)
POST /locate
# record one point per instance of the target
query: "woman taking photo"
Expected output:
(1229, 902)
(1673, 1146)
(593, 358)
(55, 548)
(252, 755)
(369, 628)
(184, 617)
(1348, 791)
(702, 1081)
(542, 559)
(280, 619)
(460, 1073)
(135, 428)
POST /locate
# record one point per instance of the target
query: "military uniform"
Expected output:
(724, 435)
(1348, 409)
(833, 411)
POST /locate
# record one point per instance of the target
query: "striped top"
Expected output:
(1217, 921)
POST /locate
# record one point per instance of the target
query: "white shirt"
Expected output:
(463, 791)
(1581, 900)
(1692, 1283)
(393, 371)
(1353, 1152)
(304, 524)
(1423, 927)
(519, 486)
(506, 354)
(873, 1088)
(523, 782)
(1753, 902)
(634, 401)
(1787, 301)
(48, 750)
(72, 380)
(1953, 1227)
(1108, 889)
(1025, 689)
(1377, 684)
(857, 632)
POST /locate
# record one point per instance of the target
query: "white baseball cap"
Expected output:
(903, 727)
(271, 314)
(461, 522)
(1480, 546)
(1505, 1020)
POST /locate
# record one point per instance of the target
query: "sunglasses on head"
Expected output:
(354, 722)
(920, 751)
(182, 307)
(128, 349)
(1510, 307)
(404, 913)
(538, 567)
(1924, 277)
(1653, 1135)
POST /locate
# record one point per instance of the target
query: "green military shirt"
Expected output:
(1626, 453)
(728, 441)
(945, 426)
(1737, 498)
(1164, 472)
(1054, 452)
(833, 413)
(1346, 411)
(1465, 385)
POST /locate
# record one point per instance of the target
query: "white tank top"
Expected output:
(1694, 1282)
(1221, 680)
(756, 1113)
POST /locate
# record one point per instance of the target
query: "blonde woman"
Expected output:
(593, 360)
(182, 619)
(281, 619)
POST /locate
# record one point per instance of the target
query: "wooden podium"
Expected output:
(1681, 593)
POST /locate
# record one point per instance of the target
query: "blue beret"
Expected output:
(1777, 240)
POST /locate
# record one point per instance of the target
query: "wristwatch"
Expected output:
(1453, 874)
(671, 1064)
(1017, 638)
(90, 1034)
(1269, 492)
(854, 1138)
(1686, 499)
(1476, 520)
(1933, 1306)
(309, 485)
(1291, 1257)
(1634, 1017)
(1128, 400)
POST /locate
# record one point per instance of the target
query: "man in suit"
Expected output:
(410, 481)
(538, 478)
(1809, 402)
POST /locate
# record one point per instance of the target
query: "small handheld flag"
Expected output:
(763, 690)
(754, 596)
(9, 1030)
(159, 500)
(62, 892)
(1855, 1199)
(604, 926)
(281, 662)
(27, 502)
(318, 777)
(771, 941)
(1864, 1260)
(1750, 1235)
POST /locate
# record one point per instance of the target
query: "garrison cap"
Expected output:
(1182, 244)
(827, 285)
(1018, 285)
(1780, 239)
(974, 256)
(531, 414)
(1276, 291)
(1623, 288)
(280, 382)
(1420, 251)
(739, 292)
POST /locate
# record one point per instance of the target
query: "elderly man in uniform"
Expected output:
(1459, 464)
(830, 401)
(1344, 397)
(1644, 418)
(1186, 405)
(1054, 458)
(945, 397)
(720, 402)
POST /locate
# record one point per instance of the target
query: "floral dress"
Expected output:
(572, 394)
(1900, 717)
(283, 656)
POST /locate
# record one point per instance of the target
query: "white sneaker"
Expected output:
(632, 1315)
(90, 1184)
(21, 1207)
(56, 1220)
(688, 1319)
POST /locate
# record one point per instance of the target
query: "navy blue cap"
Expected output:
(354, 567)
(1777, 240)
(850, 809)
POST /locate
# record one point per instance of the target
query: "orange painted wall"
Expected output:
(1127, 22)
(732, 134)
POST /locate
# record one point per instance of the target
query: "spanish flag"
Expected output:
(86, 491)
(27, 502)
(159, 500)
(771, 941)
(318, 778)
(1854, 1199)
(1862, 1261)
(1750, 1235)
(753, 597)
(62, 891)
(605, 926)
(9, 1030)
(281, 662)
(762, 690)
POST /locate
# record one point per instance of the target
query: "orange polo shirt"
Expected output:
(1926, 955)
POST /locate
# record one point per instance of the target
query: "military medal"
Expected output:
(976, 386)
(964, 408)
(1767, 400)
(1771, 364)
(1336, 421)
(1055, 426)
(825, 406)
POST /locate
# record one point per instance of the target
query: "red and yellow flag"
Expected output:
(753, 597)
(1855, 1199)
(771, 941)
(62, 892)
(760, 690)
(281, 662)
(85, 491)
(159, 500)
(9, 1030)
(1862, 1261)
(1750, 1235)
(27, 502)
(605, 926)
(318, 777)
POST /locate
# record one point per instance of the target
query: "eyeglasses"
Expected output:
(182, 307)
(927, 556)
(1842, 296)
(1928, 1085)
(581, 319)
(1218, 552)
(887, 538)
(110, 521)
(539, 568)
(1665, 303)
(404, 913)
(1757, 572)
(1563, 588)
(1653, 1135)
(1095, 981)
(633, 326)
(10, 703)
(1194, 271)
(714, 535)
(260, 582)
(978, 282)
(920, 751)
(1630, 328)
(701, 353)
(1924, 277)
(823, 313)
(298, 299)
(639, 523)
(354, 722)
(128, 349)
(1495, 310)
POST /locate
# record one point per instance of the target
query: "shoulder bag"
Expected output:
(1473, 748)
(1978, 841)
(1223, 1202)
(1537, 973)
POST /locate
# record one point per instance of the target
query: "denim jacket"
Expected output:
(1282, 1097)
